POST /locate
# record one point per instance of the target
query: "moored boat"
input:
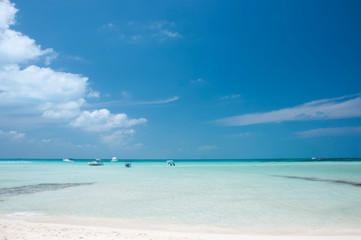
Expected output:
(68, 160)
(96, 162)
(170, 163)
(128, 164)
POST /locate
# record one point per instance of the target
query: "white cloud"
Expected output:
(103, 120)
(45, 140)
(12, 135)
(55, 94)
(14, 46)
(325, 132)
(231, 96)
(34, 84)
(65, 110)
(18, 48)
(93, 94)
(167, 34)
(43, 91)
(207, 148)
(198, 80)
(119, 137)
(126, 101)
(156, 30)
(163, 101)
(7, 13)
(109, 25)
(39, 89)
(335, 108)
(136, 37)
(158, 25)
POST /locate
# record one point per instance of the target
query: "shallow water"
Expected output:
(240, 195)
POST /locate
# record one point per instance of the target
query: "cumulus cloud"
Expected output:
(12, 135)
(17, 48)
(34, 84)
(102, 120)
(55, 94)
(326, 132)
(65, 110)
(14, 46)
(7, 13)
(43, 91)
(334, 108)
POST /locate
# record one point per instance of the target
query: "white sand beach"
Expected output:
(20, 228)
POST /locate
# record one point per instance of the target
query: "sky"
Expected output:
(191, 79)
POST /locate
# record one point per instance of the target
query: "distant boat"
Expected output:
(128, 164)
(114, 159)
(170, 163)
(96, 162)
(313, 158)
(68, 160)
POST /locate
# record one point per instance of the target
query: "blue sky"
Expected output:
(180, 79)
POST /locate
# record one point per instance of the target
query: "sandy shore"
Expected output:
(15, 228)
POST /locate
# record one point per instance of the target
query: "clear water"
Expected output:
(237, 195)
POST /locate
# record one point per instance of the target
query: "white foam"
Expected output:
(15, 162)
(24, 214)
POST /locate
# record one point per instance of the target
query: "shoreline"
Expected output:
(49, 227)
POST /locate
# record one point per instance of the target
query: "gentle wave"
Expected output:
(24, 214)
(15, 162)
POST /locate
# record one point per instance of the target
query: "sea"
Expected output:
(300, 196)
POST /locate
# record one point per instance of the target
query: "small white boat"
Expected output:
(68, 160)
(170, 163)
(96, 162)
(114, 159)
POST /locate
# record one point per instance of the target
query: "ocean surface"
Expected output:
(294, 195)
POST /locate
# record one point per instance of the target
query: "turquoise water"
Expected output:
(236, 195)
